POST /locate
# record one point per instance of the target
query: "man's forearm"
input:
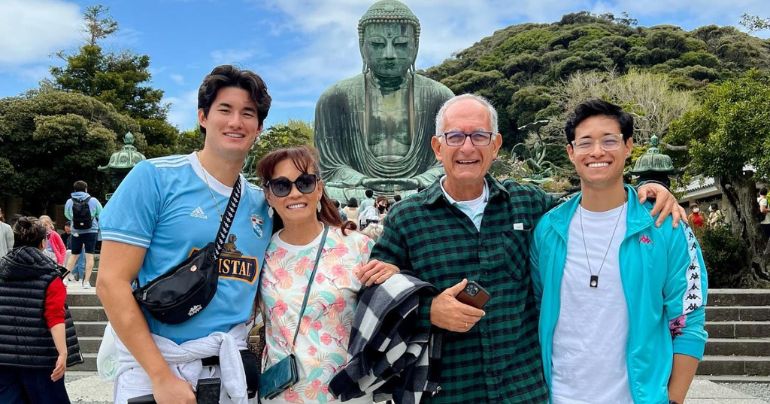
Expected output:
(681, 376)
(131, 327)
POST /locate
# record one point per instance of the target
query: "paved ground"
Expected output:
(88, 388)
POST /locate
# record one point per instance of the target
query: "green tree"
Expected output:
(725, 135)
(292, 133)
(112, 78)
(97, 26)
(189, 141)
(119, 79)
(49, 139)
(755, 23)
(509, 65)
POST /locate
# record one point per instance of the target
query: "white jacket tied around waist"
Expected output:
(185, 360)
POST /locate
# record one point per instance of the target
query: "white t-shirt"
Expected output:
(763, 202)
(589, 343)
(473, 208)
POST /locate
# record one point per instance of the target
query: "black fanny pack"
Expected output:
(186, 289)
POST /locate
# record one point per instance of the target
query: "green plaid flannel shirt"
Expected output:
(498, 360)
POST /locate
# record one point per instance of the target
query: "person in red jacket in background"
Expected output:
(695, 218)
(35, 371)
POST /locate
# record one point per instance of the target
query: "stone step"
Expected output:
(739, 297)
(738, 346)
(738, 329)
(89, 364)
(734, 365)
(88, 313)
(738, 313)
(735, 379)
(89, 344)
(81, 298)
(90, 328)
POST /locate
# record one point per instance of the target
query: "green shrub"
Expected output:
(726, 257)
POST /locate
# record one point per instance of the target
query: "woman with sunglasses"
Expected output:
(304, 219)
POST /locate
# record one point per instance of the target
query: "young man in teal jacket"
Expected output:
(622, 301)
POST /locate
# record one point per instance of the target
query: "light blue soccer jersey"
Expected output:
(166, 206)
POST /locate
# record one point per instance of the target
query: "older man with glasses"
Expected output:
(469, 226)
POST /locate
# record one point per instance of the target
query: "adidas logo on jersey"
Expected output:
(198, 212)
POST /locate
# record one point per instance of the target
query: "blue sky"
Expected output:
(299, 47)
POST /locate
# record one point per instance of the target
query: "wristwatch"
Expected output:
(672, 402)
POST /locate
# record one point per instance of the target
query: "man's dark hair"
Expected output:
(230, 76)
(596, 107)
(763, 191)
(336, 203)
(369, 193)
(80, 186)
(352, 202)
(714, 206)
(396, 197)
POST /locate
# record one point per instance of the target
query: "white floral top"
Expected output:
(322, 343)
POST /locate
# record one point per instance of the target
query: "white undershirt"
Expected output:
(589, 343)
(473, 208)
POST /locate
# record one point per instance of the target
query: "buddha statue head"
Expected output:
(388, 37)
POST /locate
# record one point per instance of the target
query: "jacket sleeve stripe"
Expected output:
(693, 296)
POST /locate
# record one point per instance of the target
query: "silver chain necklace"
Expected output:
(594, 280)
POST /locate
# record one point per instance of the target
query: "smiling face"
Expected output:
(597, 168)
(232, 125)
(295, 208)
(466, 165)
(389, 48)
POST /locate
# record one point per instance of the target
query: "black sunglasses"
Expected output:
(281, 186)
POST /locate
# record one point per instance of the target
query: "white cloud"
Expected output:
(292, 104)
(231, 56)
(183, 112)
(30, 30)
(176, 78)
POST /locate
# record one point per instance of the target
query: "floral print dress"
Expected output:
(322, 342)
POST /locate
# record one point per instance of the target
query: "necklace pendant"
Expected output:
(594, 281)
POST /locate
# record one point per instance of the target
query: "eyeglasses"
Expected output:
(607, 143)
(478, 138)
(281, 186)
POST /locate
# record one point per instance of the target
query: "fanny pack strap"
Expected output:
(227, 218)
(310, 284)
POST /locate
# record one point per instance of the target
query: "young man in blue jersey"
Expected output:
(621, 300)
(166, 208)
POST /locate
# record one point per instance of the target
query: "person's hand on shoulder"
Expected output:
(665, 203)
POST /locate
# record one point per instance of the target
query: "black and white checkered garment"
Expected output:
(390, 357)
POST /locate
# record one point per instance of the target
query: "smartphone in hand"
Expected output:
(473, 295)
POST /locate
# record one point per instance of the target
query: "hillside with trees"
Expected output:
(520, 68)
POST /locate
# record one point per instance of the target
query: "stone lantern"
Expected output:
(654, 165)
(121, 162)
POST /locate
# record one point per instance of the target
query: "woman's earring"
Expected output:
(318, 207)
(270, 212)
